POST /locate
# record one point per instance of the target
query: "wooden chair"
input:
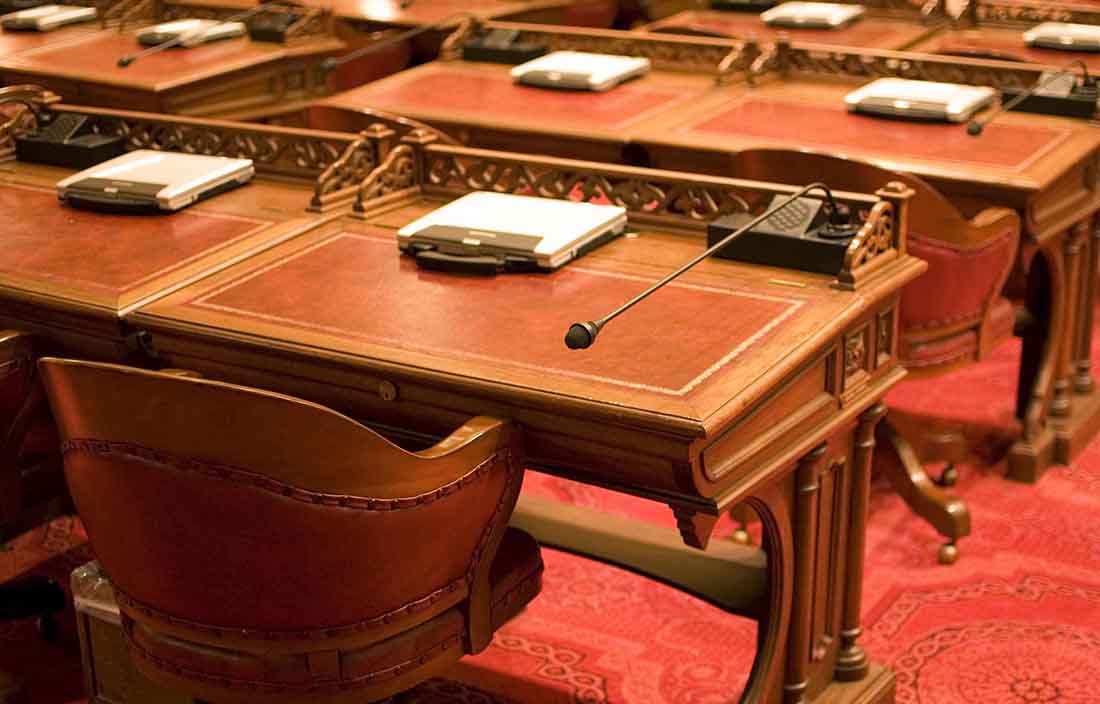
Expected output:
(954, 314)
(263, 548)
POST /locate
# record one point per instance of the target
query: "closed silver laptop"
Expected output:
(46, 18)
(1064, 36)
(812, 15)
(579, 70)
(190, 32)
(920, 100)
(542, 232)
(145, 180)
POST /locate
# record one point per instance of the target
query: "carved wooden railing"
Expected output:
(421, 166)
(1030, 12)
(726, 58)
(785, 58)
(312, 21)
(334, 163)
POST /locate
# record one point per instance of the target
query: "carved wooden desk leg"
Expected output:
(1083, 382)
(807, 489)
(852, 663)
(1061, 404)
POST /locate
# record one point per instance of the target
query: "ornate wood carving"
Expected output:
(727, 58)
(1033, 12)
(786, 58)
(312, 21)
(650, 196)
(30, 105)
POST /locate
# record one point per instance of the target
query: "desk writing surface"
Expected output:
(1021, 151)
(111, 261)
(95, 58)
(12, 43)
(344, 289)
(869, 32)
(1002, 44)
(484, 94)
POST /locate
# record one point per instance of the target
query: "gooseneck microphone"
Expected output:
(975, 127)
(581, 335)
(180, 38)
(332, 62)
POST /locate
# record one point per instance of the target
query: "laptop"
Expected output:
(509, 232)
(920, 100)
(579, 70)
(46, 18)
(812, 15)
(190, 32)
(1064, 36)
(152, 181)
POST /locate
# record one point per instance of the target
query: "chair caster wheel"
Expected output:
(48, 629)
(949, 553)
(949, 476)
(741, 537)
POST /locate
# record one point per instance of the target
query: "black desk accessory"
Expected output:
(333, 62)
(501, 46)
(68, 140)
(807, 235)
(273, 26)
(1078, 101)
(128, 59)
(743, 5)
(581, 335)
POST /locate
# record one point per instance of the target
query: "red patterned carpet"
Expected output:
(1016, 621)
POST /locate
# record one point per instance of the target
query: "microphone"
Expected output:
(128, 59)
(581, 335)
(976, 126)
(331, 63)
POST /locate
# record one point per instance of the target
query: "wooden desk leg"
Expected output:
(852, 663)
(1033, 452)
(807, 489)
(1062, 403)
(1083, 382)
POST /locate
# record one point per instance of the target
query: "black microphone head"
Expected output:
(125, 61)
(581, 335)
(329, 64)
(974, 128)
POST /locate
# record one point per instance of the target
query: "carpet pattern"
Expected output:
(1015, 621)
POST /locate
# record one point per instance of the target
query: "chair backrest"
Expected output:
(231, 516)
(968, 260)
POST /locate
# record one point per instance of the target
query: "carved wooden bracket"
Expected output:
(786, 58)
(881, 239)
(451, 49)
(1030, 12)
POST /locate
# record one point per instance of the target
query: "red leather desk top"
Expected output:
(357, 286)
(96, 57)
(1004, 44)
(104, 258)
(833, 127)
(12, 43)
(870, 32)
(453, 92)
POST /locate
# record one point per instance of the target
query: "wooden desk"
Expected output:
(1045, 167)
(1003, 44)
(873, 31)
(764, 389)
(235, 77)
(481, 106)
(765, 393)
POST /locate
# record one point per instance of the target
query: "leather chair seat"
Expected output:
(963, 346)
(335, 675)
